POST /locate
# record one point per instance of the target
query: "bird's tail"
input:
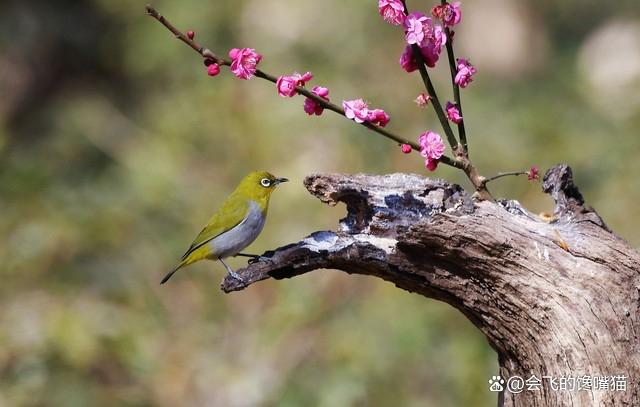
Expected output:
(189, 257)
(172, 272)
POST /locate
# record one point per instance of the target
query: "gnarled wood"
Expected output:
(553, 299)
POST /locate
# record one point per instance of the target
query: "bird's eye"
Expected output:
(265, 182)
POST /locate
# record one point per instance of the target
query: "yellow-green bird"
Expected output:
(235, 225)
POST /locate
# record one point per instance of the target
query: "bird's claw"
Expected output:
(236, 276)
(256, 259)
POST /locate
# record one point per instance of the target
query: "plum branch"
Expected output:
(460, 149)
(456, 89)
(422, 67)
(211, 56)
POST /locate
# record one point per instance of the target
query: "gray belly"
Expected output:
(241, 236)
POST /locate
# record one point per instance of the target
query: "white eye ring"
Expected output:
(265, 182)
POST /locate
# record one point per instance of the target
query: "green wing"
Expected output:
(231, 213)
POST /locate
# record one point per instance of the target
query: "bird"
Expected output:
(235, 225)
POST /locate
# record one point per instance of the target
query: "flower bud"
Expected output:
(213, 69)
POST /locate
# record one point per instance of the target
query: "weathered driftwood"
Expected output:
(555, 297)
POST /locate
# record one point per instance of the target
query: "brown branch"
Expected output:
(553, 299)
(502, 175)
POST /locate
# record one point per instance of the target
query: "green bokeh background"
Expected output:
(115, 147)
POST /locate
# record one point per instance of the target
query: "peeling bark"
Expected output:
(559, 298)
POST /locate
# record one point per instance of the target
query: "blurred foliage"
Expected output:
(115, 147)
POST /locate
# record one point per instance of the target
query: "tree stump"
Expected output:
(554, 297)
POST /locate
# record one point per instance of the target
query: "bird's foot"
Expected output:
(232, 273)
(256, 259)
(253, 258)
(236, 276)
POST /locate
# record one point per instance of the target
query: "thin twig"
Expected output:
(456, 89)
(207, 54)
(503, 174)
(456, 92)
(434, 97)
(204, 52)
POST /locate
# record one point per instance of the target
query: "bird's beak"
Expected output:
(280, 180)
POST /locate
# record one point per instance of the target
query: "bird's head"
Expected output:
(259, 185)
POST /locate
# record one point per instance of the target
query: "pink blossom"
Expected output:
(431, 145)
(191, 34)
(356, 109)
(465, 72)
(453, 113)
(213, 69)
(320, 91)
(311, 106)
(306, 77)
(286, 85)
(406, 148)
(422, 100)
(449, 13)
(245, 61)
(392, 11)
(432, 48)
(438, 11)
(407, 61)
(418, 27)
(379, 117)
(452, 14)
(431, 164)
(532, 174)
(431, 148)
